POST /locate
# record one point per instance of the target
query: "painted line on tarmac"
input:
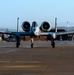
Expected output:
(14, 50)
(17, 49)
(23, 67)
(9, 51)
(36, 46)
(66, 73)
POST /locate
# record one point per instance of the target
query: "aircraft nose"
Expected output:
(36, 33)
(54, 36)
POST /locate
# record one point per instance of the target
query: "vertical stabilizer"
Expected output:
(18, 24)
(56, 25)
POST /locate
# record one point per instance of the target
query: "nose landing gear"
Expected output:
(32, 42)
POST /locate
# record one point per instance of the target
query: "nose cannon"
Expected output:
(53, 35)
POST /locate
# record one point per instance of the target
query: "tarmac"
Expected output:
(40, 60)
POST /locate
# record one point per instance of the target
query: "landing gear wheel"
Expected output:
(17, 41)
(53, 43)
(31, 45)
(17, 44)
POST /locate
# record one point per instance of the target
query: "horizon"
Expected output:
(71, 28)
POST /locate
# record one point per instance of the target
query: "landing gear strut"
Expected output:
(53, 43)
(17, 41)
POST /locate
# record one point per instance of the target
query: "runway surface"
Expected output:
(40, 60)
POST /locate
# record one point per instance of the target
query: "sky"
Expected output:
(36, 10)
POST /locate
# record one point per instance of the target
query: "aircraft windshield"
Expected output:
(34, 24)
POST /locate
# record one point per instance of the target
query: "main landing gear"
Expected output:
(53, 43)
(32, 42)
(17, 41)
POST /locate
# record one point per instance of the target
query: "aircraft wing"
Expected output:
(56, 33)
(63, 33)
(15, 33)
(42, 33)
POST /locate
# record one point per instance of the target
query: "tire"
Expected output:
(17, 41)
(53, 44)
(17, 44)
(31, 45)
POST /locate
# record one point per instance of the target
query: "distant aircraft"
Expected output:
(35, 31)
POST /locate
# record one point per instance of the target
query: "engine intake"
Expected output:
(45, 26)
(26, 26)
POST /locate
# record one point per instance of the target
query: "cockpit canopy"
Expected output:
(34, 24)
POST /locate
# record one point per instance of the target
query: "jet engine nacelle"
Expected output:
(45, 26)
(26, 26)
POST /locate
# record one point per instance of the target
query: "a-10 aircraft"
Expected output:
(35, 31)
